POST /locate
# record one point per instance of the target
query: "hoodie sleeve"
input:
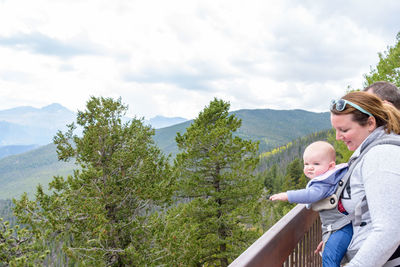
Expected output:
(314, 193)
(381, 177)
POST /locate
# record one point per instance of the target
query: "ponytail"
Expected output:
(393, 118)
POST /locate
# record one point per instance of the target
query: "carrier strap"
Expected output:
(394, 259)
(386, 140)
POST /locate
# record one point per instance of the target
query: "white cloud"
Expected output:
(172, 57)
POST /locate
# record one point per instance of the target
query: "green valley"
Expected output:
(272, 128)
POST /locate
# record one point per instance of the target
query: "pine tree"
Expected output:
(18, 247)
(216, 179)
(388, 67)
(271, 176)
(293, 176)
(100, 214)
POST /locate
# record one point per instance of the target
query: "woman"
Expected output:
(373, 189)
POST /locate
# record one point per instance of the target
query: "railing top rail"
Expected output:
(274, 246)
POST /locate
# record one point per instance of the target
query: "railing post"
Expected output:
(275, 246)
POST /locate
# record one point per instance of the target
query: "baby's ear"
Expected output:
(332, 165)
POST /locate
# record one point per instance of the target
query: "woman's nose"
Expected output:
(337, 135)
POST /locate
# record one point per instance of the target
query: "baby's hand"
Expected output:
(280, 196)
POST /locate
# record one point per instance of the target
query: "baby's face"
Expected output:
(315, 164)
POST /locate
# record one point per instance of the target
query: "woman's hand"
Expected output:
(318, 250)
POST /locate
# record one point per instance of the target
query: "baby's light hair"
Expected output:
(324, 147)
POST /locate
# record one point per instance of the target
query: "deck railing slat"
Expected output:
(290, 242)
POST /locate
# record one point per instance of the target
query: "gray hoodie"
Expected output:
(376, 177)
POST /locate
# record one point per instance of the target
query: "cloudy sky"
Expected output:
(173, 57)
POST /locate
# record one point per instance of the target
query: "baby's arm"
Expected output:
(280, 196)
(309, 195)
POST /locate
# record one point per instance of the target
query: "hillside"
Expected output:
(286, 153)
(271, 127)
(277, 127)
(21, 173)
(16, 149)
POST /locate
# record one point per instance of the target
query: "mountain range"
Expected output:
(33, 126)
(22, 172)
(25, 128)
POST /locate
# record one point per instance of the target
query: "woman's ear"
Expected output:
(371, 123)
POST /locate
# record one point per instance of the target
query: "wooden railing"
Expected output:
(290, 242)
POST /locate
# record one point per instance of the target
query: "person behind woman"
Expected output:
(386, 91)
(359, 119)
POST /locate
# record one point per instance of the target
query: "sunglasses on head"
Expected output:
(340, 105)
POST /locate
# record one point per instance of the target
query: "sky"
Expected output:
(172, 58)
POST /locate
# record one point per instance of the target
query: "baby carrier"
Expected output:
(332, 219)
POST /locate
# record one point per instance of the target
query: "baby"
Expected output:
(319, 166)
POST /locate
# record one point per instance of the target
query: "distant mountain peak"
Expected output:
(22, 109)
(161, 121)
(160, 117)
(54, 107)
(28, 125)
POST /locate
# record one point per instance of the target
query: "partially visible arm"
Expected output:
(279, 196)
(381, 177)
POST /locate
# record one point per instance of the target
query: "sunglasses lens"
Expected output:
(340, 105)
(333, 102)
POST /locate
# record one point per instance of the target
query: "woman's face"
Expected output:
(349, 131)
